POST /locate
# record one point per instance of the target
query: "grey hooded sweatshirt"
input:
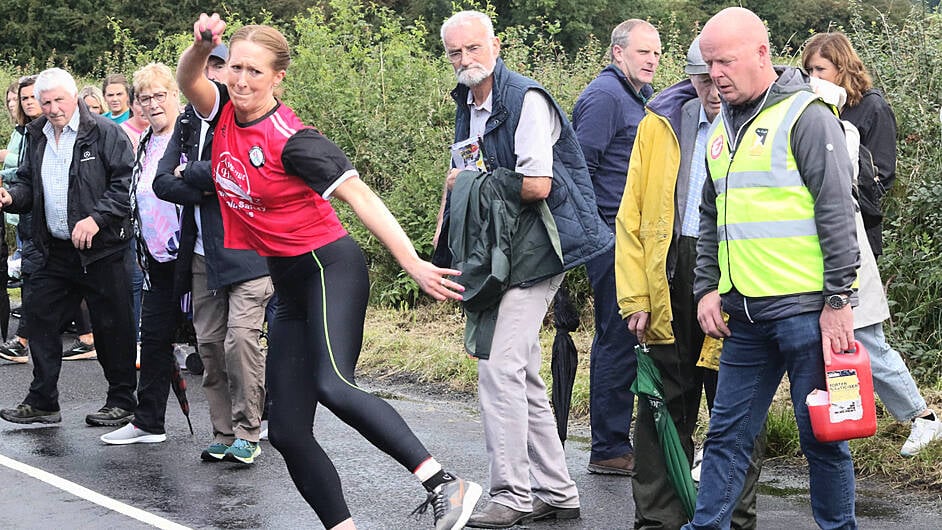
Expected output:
(818, 145)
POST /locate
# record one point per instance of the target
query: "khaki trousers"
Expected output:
(228, 323)
(523, 448)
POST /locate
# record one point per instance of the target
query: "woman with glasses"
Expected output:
(157, 231)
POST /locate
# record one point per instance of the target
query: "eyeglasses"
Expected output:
(455, 55)
(158, 97)
(27, 80)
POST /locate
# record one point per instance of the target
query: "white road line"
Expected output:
(89, 495)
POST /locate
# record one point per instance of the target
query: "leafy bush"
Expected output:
(905, 59)
(363, 77)
(370, 80)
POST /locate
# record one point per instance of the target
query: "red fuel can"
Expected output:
(847, 409)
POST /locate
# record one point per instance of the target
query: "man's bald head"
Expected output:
(738, 22)
(735, 46)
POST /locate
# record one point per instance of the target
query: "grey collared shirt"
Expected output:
(537, 131)
(57, 159)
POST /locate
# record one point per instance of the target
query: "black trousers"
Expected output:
(160, 317)
(83, 323)
(57, 290)
(657, 505)
(326, 289)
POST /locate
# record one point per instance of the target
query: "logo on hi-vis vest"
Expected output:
(233, 185)
(759, 142)
(716, 148)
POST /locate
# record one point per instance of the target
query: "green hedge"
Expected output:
(366, 78)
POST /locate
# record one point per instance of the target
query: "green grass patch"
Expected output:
(782, 432)
(425, 345)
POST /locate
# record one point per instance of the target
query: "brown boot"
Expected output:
(621, 465)
(542, 510)
(495, 515)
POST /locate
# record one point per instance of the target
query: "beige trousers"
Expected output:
(523, 448)
(228, 323)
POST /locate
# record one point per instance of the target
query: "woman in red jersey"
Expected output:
(274, 176)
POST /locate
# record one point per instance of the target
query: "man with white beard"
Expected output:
(508, 127)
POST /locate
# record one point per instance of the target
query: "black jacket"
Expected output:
(876, 123)
(99, 181)
(195, 187)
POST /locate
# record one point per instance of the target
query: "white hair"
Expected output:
(53, 78)
(463, 17)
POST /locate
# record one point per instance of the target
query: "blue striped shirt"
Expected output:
(691, 224)
(57, 159)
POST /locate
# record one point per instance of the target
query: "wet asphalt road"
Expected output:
(169, 481)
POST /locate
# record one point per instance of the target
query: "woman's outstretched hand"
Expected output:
(435, 281)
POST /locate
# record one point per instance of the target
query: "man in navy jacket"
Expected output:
(605, 119)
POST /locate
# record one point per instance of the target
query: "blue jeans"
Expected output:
(891, 378)
(754, 358)
(612, 367)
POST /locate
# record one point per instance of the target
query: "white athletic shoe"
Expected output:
(923, 433)
(264, 434)
(697, 461)
(129, 434)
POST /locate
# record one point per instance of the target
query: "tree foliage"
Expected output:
(77, 32)
(376, 83)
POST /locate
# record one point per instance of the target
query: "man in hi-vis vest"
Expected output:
(778, 252)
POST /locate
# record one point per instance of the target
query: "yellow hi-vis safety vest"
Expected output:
(768, 241)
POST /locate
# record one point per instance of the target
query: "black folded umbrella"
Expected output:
(178, 384)
(565, 359)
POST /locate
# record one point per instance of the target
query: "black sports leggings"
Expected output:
(315, 341)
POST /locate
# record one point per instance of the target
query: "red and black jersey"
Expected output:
(272, 176)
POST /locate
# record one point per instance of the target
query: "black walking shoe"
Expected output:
(13, 350)
(78, 350)
(109, 417)
(24, 413)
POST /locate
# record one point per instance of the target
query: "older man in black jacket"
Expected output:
(74, 178)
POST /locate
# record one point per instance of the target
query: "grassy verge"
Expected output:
(425, 346)
(875, 456)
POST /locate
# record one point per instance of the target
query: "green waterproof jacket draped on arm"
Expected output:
(497, 243)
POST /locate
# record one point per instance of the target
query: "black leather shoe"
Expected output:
(109, 417)
(24, 413)
(541, 511)
(495, 515)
